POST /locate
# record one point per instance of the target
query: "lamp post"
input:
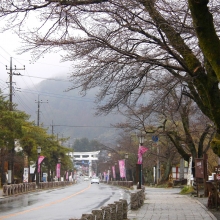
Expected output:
(37, 172)
(0, 168)
(115, 170)
(141, 140)
(126, 157)
(59, 162)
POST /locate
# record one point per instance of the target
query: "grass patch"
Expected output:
(186, 190)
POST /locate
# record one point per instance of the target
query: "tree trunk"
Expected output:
(167, 170)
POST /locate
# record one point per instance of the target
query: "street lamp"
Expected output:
(126, 157)
(0, 168)
(37, 171)
(141, 140)
(115, 170)
(59, 162)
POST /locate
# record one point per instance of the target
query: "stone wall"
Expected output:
(49, 185)
(117, 210)
(137, 198)
(14, 189)
(127, 184)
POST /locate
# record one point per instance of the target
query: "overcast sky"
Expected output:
(47, 67)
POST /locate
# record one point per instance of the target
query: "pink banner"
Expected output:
(40, 159)
(141, 151)
(67, 177)
(113, 172)
(58, 170)
(122, 168)
(105, 175)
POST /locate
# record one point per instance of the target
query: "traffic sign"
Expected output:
(155, 138)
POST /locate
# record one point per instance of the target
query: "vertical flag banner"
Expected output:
(105, 176)
(141, 151)
(58, 170)
(40, 159)
(25, 175)
(108, 175)
(67, 175)
(121, 164)
(113, 172)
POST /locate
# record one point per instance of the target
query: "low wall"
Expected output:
(137, 198)
(14, 189)
(127, 184)
(49, 185)
(117, 210)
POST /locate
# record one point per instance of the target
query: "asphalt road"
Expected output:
(60, 204)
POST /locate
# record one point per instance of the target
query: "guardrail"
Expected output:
(14, 189)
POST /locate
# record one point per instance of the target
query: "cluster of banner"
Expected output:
(122, 169)
(121, 163)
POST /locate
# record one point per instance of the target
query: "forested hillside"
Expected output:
(66, 113)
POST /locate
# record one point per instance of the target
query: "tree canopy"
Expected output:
(127, 47)
(15, 126)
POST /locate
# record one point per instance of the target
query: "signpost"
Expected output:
(156, 139)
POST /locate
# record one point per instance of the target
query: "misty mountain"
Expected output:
(66, 114)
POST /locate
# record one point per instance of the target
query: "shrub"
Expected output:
(186, 190)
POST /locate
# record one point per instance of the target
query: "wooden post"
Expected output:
(205, 157)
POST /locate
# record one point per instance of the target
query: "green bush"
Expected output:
(186, 190)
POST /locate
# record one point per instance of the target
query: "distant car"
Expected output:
(95, 179)
(86, 178)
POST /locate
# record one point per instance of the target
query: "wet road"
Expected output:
(60, 204)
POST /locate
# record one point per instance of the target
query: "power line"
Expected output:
(59, 96)
(54, 79)
(84, 126)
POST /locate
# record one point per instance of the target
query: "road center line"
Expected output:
(43, 206)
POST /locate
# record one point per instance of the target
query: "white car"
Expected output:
(95, 179)
(86, 178)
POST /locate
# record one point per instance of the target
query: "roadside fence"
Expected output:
(20, 188)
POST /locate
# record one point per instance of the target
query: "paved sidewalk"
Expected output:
(1, 193)
(168, 204)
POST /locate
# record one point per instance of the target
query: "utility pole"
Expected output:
(38, 176)
(38, 110)
(52, 127)
(11, 82)
(11, 142)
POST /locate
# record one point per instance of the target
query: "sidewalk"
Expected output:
(168, 204)
(1, 193)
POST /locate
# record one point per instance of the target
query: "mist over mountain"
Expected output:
(66, 114)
